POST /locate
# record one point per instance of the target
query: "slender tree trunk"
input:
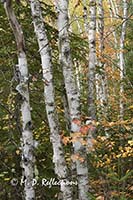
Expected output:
(101, 81)
(115, 40)
(78, 24)
(77, 71)
(112, 14)
(114, 8)
(92, 60)
(86, 24)
(72, 95)
(66, 109)
(121, 56)
(58, 154)
(23, 90)
(90, 29)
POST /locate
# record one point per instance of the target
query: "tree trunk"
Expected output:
(23, 90)
(86, 25)
(121, 56)
(114, 8)
(92, 60)
(72, 96)
(113, 14)
(58, 154)
(101, 82)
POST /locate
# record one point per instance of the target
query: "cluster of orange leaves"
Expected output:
(76, 157)
(80, 136)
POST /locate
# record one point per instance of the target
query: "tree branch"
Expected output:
(18, 33)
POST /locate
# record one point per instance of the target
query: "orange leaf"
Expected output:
(84, 129)
(76, 121)
(65, 140)
(100, 198)
(76, 157)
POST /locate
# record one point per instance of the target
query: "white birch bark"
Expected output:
(112, 14)
(90, 29)
(101, 82)
(58, 154)
(77, 71)
(115, 40)
(23, 90)
(121, 56)
(114, 8)
(92, 60)
(72, 94)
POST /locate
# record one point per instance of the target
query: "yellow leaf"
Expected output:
(108, 161)
(128, 149)
(130, 142)
(127, 128)
(18, 152)
(83, 142)
(100, 198)
(118, 156)
(6, 179)
(130, 107)
(124, 155)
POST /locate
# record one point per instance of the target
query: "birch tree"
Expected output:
(72, 95)
(121, 56)
(44, 49)
(101, 90)
(114, 8)
(114, 13)
(86, 25)
(92, 60)
(23, 90)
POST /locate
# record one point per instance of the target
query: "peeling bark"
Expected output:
(23, 90)
(58, 154)
(101, 81)
(72, 94)
(92, 60)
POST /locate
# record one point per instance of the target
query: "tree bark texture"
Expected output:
(121, 56)
(113, 14)
(92, 60)
(85, 11)
(23, 90)
(72, 95)
(49, 95)
(101, 82)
